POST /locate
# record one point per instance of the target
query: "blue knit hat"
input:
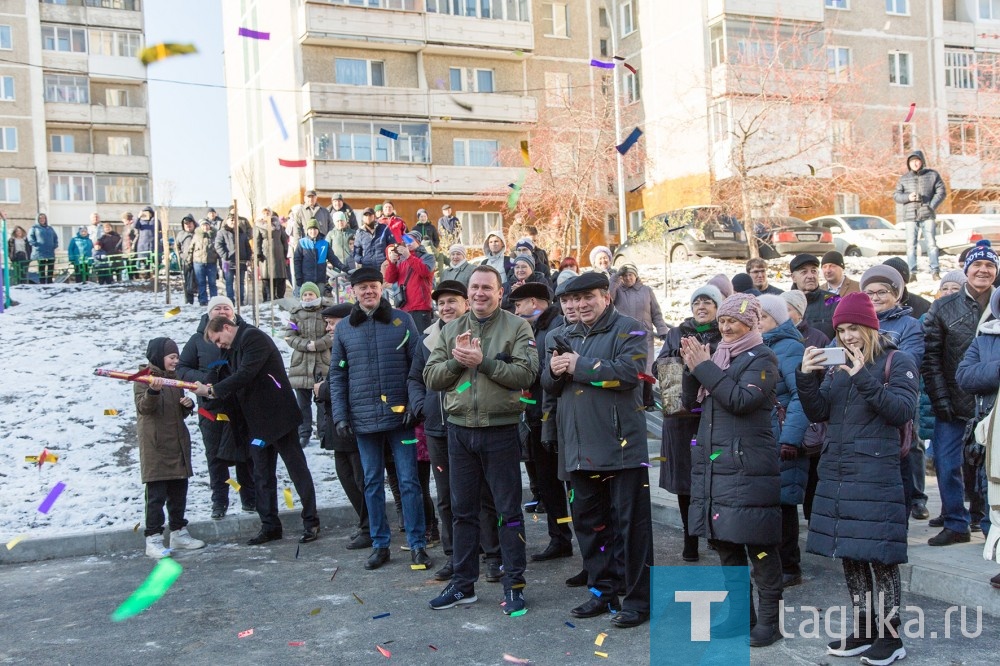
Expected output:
(982, 250)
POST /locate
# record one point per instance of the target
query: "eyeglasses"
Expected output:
(758, 270)
(880, 294)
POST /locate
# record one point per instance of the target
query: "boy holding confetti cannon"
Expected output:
(164, 449)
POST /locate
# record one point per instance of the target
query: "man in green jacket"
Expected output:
(481, 362)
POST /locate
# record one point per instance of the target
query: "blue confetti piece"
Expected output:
(629, 141)
(215, 364)
(277, 117)
(392, 135)
(571, 625)
(595, 592)
(407, 238)
(379, 617)
(257, 442)
(602, 64)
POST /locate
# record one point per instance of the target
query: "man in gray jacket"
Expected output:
(593, 369)
(920, 191)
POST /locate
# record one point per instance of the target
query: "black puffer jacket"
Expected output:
(547, 322)
(819, 310)
(735, 477)
(926, 183)
(426, 403)
(949, 327)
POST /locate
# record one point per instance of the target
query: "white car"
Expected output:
(863, 235)
(957, 233)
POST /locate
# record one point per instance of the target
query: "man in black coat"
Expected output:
(271, 416)
(915, 302)
(820, 304)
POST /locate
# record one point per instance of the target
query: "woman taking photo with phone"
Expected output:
(859, 513)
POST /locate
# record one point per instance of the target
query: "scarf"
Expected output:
(727, 351)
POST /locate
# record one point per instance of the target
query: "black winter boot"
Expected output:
(766, 630)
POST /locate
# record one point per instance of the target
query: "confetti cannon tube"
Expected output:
(145, 379)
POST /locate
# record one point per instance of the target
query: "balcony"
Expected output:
(452, 31)
(339, 25)
(95, 114)
(138, 164)
(74, 12)
(801, 85)
(485, 106)
(71, 162)
(792, 10)
(76, 63)
(381, 179)
(363, 101)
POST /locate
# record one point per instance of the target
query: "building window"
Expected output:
(602, 17)
(131, 5)
(361, 141)
(407, 5)
(899, 69)
(989, 10)
(66, 40)
(62, 143)
(122, 189)
(838, 62)
(116, 97)
(10, 190)
(904, 137)
(717, 41)
(506, 10)
(467, 79)
(627, 10)
(355, 72)
(846, 204)
(841, 133)
(475, 152)
(119, 145)
(66, 89)
(557, 91)
(837, 4)
(963, 137)
(612, 224)
(719, 118)
(71, 188)
(8, 139)
(960, 69)
(603, 45)
(635, 218)
(6, 88)
(631, 83)
(555, 19)
(112, 43)
(475, 227)
(897, 7)
(6, 43)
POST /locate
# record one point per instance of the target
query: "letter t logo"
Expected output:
(701, 616)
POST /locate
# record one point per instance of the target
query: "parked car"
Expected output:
(777, 236)
(863, 235)
(683, 235)
(957, 233)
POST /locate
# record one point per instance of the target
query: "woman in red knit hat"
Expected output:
(859, 513)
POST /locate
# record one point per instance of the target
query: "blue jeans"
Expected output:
(206, 276)
(948, 445)
(928, 244)
(370, 447)
(230, 276)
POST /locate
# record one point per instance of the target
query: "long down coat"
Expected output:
(164, 441)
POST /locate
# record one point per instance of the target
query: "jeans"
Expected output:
(928, 243)
(948, 445)
(490, 455)
(370, 447)
(230, 277)
(173, 493)
(305, 399)
(206, 275)
(918, 470)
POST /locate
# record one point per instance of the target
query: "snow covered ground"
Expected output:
(50, 344)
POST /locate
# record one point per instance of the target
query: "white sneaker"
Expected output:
(155, 547)
(181, 540)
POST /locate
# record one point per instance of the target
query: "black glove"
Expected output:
(550, 446)
(943, 411)
(789, 452)
(344, 430)
(409, 420)
(662, 338)
(261, 258)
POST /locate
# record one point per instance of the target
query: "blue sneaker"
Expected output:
(452, 597)
(513, 601)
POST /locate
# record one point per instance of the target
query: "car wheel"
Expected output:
(680, 253)
(853, 252)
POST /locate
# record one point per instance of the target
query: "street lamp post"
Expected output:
(619, 158)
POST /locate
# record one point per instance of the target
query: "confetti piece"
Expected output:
(529, 402)
(296, 643)
(415, 567)
(534, 518)
(276, 381)
(567, 519)
(570, 625)
(645, 465)
(743, 306)
(578, 391)
(812, 169)
(293, 326)
(315, 611)
(294, 164)
(387, 133)
(215, 364)
(602, 64)
(611, 383)
(658, 459)
(638, 357)
(357, 598)
(221, 417)
(525, 156)
(601, 654)
(596, 593)
(624, 442)
(630, 68)
(258, 442)
(414, 441)
(599, 641)
(156, 52)
(244, 634)
(398, 409)
(432, 647)
(464, 105)
(637, 332)
(600, 528)
(515, 660)
(715, 517)
(382, 615)
(571, 495)
(629, 141)
(761, 555)
(296, 552)
(111, 412)
(519, 613)
(909, 115)
(405, 338)
(232, 482)
(136, 528)
(207, 414)
(52, 497)
(440, 469)
(647, 378)
(16, 540)
(288, 498)
(545, 416)
(163, 575)
(463, 387)
(172, 312)
(254, 34)
(514, 523)
(516, 586)
(385, 653)
(521, 536)
(715, 455)
(342, 364)
(335, 570)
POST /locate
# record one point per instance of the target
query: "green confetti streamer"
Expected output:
(405, 338)
(715, 455)
(163, 575)
(463, 387)
(519, 613)
(342, 364)
(409, 441)
(530, 402)
(570, 495)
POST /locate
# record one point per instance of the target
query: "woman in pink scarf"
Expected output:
(735, 477)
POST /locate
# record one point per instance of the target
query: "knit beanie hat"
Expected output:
(524, 242)
(310, 286)
(708, 290)
(775, 306)
(956, 276)
(856, 308)
(159, 348)
(600, 249)
(982, 250)
(339, 215)
(312, 224)
(885, 275)
(742, 283)
(797, 300)
(220, 300)
(526, 258)
(722, 283)
(457, 247)
(744, 308)
(900, 265)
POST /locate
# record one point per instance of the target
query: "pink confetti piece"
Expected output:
(909, 115)
(244, 634)
(52, 497)
(630, 68)
(254, 34)
(294, 164)
(274, 380)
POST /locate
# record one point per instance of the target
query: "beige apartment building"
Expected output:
(410, 100)
(74, 127)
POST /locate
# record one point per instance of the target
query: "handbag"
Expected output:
(670, 375)
(812, 442)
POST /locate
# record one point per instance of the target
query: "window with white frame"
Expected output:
(602, 17)
(357, 72)
(988, 70)
(476, 226)
(557, 90)
(116, 97)
(900, 72)
(989, 10)
(612, 224)
(115, 43)
(963, 137)
(6, 41)
(6, 88)
(131, 5)
(630, 82)
(846, 204)
(838, 62)
(8, 139)
(719, 121)
(989, 207)
(67, 89)
(717, 43)
(635, 218)
(64, 39)
(960, 69)
(119, 145)
(122, 189)
(475, 152)
(470, 79)
(897, 7)
(838, 4)
(506, 10)
(362, 141)
(408, 5)
(904, 137)
(10, 190)
(555, 19)
(67, 187)
(627, 14)
(62, 143)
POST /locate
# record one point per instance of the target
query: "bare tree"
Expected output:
(166, 191)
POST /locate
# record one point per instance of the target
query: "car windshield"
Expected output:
(866, 222)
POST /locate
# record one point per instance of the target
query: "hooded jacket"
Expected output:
(499, 261)
(906, 333)
(271, 243)
(786, 343)
(926, 183)
(418, 280)
(225, 244)
(43, 240)
(462, 273)
(203, 246)
(307, 325)
(81, 249)
(145, 233)
(164, 441)
(370, 246)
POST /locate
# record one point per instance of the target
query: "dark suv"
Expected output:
(683, 235)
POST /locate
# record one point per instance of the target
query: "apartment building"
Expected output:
(74, 127)
(410, 100)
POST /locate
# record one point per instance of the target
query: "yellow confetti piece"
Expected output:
(172, 312)
(761, 556)
(522, 539)
(398, 409)
(236, 486)
(567, 519)
(659, 459)
(111, 412)
(624, 442)
(288, 498)
(136, 528)
(601, 654)
(743, 306)
(31, 459)
(16, 540)
(221, 417)
(384, 399)
(418, 567)
(315, 611)
(599, 641)
(545, 417)
(160, 51)
(763, 375)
